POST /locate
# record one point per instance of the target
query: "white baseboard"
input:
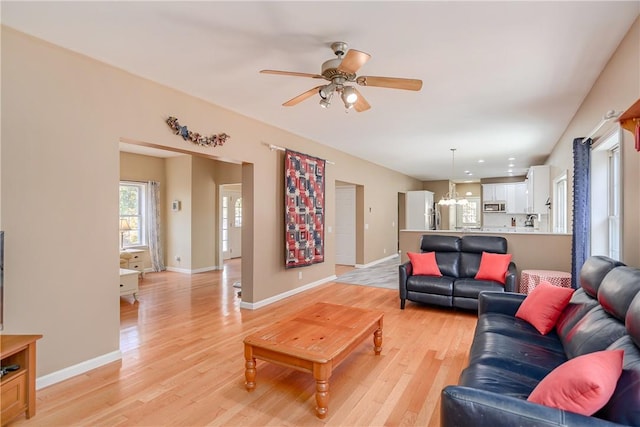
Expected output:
(372, 263)
(204, 269)
(275, 298)
(179, 270)
(80, 368)
(194, 271)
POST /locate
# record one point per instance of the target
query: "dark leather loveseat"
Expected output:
(459, 260)
(508, 357)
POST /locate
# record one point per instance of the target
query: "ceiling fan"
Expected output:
(342, 70)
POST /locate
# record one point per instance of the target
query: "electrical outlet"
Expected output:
(178, 258)
(384, 251)
(299, 275)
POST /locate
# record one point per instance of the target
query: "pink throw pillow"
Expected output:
(543, 306)
(582, 385)
(493, 267)
(424, 264)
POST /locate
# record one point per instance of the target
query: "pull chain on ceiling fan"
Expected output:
(341, 70)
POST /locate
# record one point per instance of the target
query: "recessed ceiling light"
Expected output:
(511, 165)
(510, 171)
(480, 161)
(511, 159)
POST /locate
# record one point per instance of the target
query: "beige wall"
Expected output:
(503, 179)
(61, 129)
(203, 214)
(207, 176)
(617, 88)
(474, 188)
(178, 242)
(529, 250)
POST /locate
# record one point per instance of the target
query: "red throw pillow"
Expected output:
(543, 306)
(493, 267)
(582, 385)
(424, 264)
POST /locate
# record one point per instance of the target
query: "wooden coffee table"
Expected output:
(313, 340)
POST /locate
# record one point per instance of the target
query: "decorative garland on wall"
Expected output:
(196, 138)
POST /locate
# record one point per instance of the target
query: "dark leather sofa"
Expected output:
(458, 259)
(508, 357)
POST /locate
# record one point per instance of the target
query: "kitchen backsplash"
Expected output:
(494, 219)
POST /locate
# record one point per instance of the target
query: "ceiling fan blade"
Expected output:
(302, 97)
(292, 73)
(353, 60)
(361, 103)
(390, 82)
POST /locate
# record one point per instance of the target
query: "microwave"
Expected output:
(494, 207)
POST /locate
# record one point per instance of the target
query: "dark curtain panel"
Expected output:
(581, 207)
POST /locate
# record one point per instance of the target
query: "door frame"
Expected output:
(223, 190)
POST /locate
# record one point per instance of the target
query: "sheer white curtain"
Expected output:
(153, 224)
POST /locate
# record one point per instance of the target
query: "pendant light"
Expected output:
(451, 198)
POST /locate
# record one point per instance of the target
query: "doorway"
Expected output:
(345, 224)
(231, 221)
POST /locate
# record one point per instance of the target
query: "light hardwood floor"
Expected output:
(182, 363)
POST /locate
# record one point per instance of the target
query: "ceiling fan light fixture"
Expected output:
(326, 102)
(349, 96)
(327, 90)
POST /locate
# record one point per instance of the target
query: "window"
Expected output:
(614, 205)
(560, 203)
(225, 223)
(238, 212)
(606, 197)
(468, 215)
(132, 210)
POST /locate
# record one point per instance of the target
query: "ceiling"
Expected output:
(501, 79)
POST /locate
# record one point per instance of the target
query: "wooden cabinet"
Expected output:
(18, 388)
(538, 189)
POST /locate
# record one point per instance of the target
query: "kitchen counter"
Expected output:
(500, 230)
(531, 250)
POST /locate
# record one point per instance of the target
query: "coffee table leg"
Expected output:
(322, 372)
(377, 339)
(249, 368)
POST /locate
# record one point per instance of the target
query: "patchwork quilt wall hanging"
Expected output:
(304, 209)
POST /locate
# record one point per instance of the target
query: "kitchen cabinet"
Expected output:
(494, 192)
(538, 189)
(516, 198)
